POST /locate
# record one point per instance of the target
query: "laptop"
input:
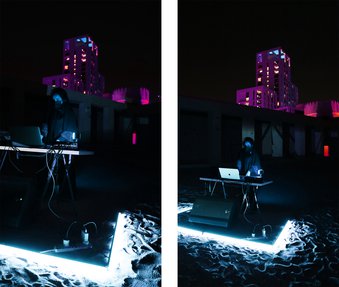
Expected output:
(26, 136)
(229, 173)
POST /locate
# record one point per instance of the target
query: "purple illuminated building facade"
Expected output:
(260, 96)
(80, 67)
(274, 88)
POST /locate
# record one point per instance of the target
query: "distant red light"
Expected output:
(326, 151)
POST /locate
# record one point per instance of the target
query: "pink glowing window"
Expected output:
(134, 138)
(326, 151)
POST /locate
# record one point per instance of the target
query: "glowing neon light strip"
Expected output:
(118, 241)
(278, 245)
(94, 272)
(185, 209)
(64, 265)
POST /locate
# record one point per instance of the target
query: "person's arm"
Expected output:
(255, 164)
(257, 161)
(44, 131)
(238, 164)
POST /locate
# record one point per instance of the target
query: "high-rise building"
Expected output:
(260, 97)
(274, 88)
(80, 67)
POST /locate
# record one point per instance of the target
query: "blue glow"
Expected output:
(276, 52)
(278, 245)
(119, 241)
(64, 265)
(82, 39)
(72, 267)
(57, 98)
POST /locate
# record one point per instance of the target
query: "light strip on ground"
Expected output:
(184, 209)
(278, 245)
(63, 265)
(68, 266)
(119, 242)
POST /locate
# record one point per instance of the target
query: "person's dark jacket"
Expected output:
(248, 161)
(60, 120)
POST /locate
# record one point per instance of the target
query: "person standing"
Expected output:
(61, 129)
(61, 124)
(249, 164)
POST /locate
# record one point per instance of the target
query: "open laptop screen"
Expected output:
(229, 173)
(26, 136)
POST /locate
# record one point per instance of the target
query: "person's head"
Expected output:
(248, 144)
(59, 97)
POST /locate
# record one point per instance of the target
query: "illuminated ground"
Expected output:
(311, 257)
(109, 182)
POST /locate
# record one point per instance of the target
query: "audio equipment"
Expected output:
(212, 211)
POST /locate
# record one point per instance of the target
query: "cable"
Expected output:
(91, 222)
(264, 230)
(85, 234)
(69, 228)
(254, 228)
(48, 251)
(246, 200)
(41, 169)
(53, 187)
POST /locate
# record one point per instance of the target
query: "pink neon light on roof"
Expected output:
(144, 95)
(134, 138)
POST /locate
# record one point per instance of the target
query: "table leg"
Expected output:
(223, 189)
(3, 158)
(215, 183)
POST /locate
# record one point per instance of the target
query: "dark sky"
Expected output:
(218, 42)
(127, 33)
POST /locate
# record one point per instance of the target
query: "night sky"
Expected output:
(127, 33)
(218, 42)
